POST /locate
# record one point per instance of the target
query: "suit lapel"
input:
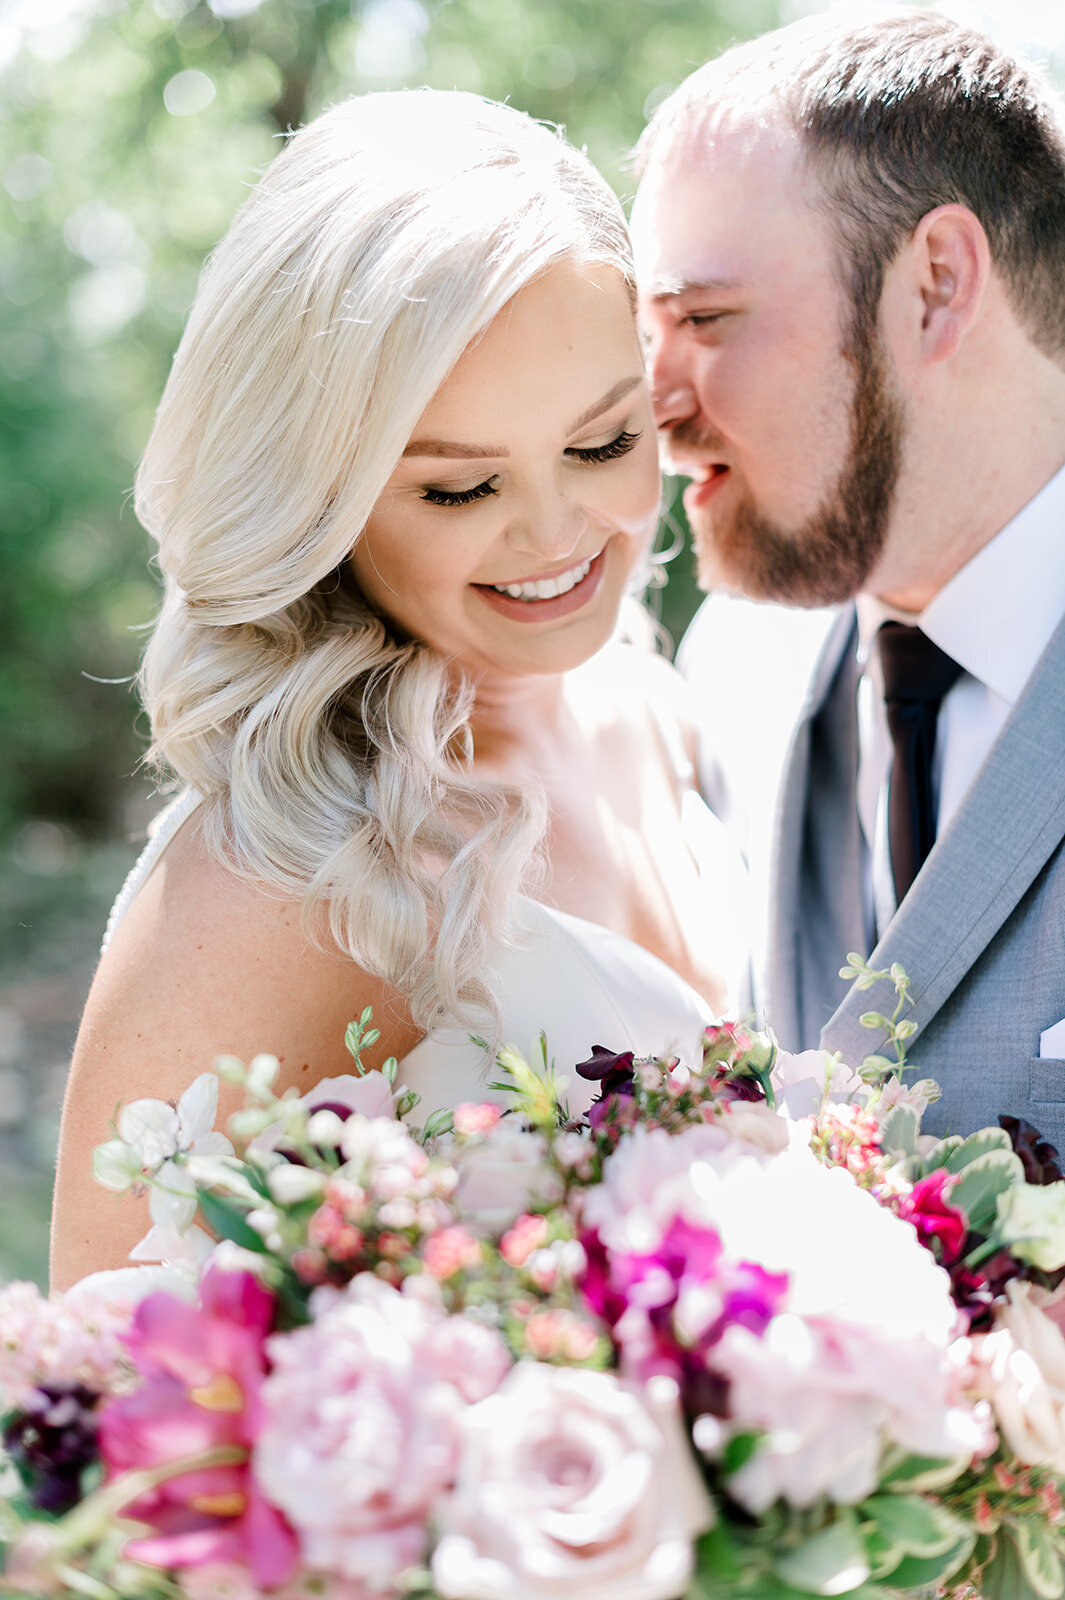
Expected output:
(815, 904)
(1008, 825)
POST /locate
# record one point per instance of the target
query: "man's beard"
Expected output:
(829, 557)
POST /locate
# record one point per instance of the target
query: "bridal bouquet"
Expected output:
(743, 1330)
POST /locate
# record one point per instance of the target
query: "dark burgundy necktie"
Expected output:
(917, 674)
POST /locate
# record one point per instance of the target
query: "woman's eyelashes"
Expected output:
(437, 495)
(608, 452)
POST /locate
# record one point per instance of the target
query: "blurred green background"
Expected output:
(130, 130)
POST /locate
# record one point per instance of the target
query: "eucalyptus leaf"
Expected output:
(1040, 1557)
(921, 1474)
(916, 1526)
(976, 1145)
(926, 1572)
(982, 1181)
(830, 1562)
(899, 1130)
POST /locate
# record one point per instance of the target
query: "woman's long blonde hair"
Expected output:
(387, 235)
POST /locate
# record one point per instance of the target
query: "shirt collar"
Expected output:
(997, 615)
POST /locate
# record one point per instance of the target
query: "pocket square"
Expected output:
(1052, 1040)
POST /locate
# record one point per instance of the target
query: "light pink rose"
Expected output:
(1024, 1356)
(502, 1174)
(360, 1435)
(572, 1483)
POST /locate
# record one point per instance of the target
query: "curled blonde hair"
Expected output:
(387, 236)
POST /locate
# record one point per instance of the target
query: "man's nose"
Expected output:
(672, 391)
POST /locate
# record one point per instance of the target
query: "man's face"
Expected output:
(767, 394)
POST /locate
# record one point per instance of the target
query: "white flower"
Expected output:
(1025, 1358)
(802, 1083)
(155, 1140)
(571, 1482)
(502, 1174)
(1031, 1220)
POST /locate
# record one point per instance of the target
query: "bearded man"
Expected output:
(850, 248)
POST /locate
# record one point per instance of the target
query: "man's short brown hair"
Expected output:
(898, 116)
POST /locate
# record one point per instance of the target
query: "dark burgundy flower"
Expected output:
(616, 1076)
(941, 1227)
(605, 1067)
(1040, 1160)
(52, 1440)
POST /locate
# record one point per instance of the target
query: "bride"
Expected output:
(402, 480)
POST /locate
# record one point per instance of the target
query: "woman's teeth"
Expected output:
(546, 588)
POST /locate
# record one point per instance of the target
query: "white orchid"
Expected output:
(156, 1139)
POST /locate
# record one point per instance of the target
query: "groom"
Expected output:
(851, 254)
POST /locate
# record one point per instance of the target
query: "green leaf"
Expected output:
(899, 1130)
(980, 1184)
(438, 1122)
(225, 1220)
(830, 1562)
(914, 1525)
(738, 1451)
(925, 1572)
(716, 1556)
(1040, 1557)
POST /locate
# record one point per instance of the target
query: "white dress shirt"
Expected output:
(994, 618)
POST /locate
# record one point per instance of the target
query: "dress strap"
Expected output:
(161, 831)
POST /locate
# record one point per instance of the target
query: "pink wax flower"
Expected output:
(940, 1226)
(203, 1368)
(470, 1119)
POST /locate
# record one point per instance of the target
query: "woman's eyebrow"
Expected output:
(449, 447)
(611, 398)
(479, 452)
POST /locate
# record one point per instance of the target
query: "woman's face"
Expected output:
(529, 490)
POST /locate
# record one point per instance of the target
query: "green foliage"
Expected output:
(128, 137)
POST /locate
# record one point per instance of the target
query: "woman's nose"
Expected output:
(549, 526)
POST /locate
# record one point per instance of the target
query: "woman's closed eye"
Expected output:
(619, 446)
(589, 455)
(438, 496)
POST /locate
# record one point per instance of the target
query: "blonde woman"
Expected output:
(402, 479)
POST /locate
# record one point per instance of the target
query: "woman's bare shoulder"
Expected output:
(202, 964)
(218, 964)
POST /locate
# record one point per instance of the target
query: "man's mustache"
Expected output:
(688, 438)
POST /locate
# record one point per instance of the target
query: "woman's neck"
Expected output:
(513, 717)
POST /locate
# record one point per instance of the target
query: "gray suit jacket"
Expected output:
(981, 933)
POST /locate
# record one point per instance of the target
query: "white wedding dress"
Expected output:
(579, 983)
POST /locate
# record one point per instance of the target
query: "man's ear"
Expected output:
(951, 263)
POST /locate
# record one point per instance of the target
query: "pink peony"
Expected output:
(202, 1369)
(360, 1435)
(572, 1483)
